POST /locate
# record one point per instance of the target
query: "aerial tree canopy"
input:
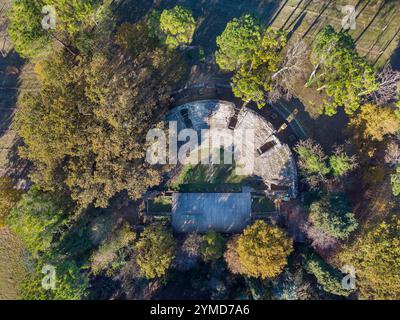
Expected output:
(36, 219)
(341, 163)
(316, 167)
(375, 256)
(329, 278)
(232, 257)
(155, 251)
(375, 122)
(70, 283)
(249, 86)
(332, 214)
(178, 26)
(253, 54)
(29, 36)
(92, 137)
(9, 197)
(263, 250)
(238, 42)
(212, 246)
(25, 28)
(345, 77)
(312, 161)
(42, 220)
(107, 258)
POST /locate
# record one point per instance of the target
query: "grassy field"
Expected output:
(12, 271)
(376, 32)
(15, 76)
(208, 177)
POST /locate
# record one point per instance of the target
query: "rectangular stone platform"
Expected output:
(202, 212)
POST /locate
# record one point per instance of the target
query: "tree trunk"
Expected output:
(312, 76)
(279, 71)
(69, 49)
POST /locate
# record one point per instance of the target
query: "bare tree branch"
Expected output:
(388, 80)
(290, 70)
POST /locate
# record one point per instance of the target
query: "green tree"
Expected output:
(36, 219)
(375, 256)
(9, 197)
(341, 163)
(29, 36)
(329, 278)
(395, 181)
(212, 246)
(238, 42)
(25, 28)
(312, 161)
(110, 256)
(136, 39)
(263, 250)
(253, 54)
(249, 86)
(332, 214)
(70, 283)
(153, 24)
(254, 79)
(344, 76)
(155, 251)
(178, 25)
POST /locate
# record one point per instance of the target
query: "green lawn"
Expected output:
(208, 178)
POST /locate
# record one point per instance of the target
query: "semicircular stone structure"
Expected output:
(275, 167)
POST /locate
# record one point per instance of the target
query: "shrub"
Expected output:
(155, 251)
(212, 246)
(327, 277)
(110, 255)
(36, 218)
(332, 214)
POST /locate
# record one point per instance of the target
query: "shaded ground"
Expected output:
(375, 32)
(376, 36)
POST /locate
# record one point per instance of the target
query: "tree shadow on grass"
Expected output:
(211, 15)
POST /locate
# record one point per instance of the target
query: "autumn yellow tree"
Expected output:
(155, 251)
(376, 258)
(92, 136)
(374, 122)
(263, 250)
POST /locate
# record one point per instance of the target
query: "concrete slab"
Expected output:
(202, 212)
